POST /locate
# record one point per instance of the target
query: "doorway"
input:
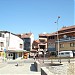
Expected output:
(13, 55)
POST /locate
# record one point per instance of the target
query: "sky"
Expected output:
(36, 16)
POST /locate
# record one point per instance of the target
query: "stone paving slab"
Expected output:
(24, 69)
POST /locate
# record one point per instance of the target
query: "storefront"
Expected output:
(14, 54)
(1, 54)
(26, 55)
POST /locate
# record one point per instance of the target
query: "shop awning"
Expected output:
(16, 51)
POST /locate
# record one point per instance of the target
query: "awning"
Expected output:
(16, 50)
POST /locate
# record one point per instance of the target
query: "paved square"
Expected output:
(22, 68)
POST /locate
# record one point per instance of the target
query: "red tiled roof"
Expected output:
(65, 28)
(42, 34)
(37, 41)
(26, 35)
(48, 34)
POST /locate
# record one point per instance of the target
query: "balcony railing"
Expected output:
(67, 39)
(51, 49)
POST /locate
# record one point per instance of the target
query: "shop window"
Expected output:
(11, 55)
(20, 54)
(8, 54)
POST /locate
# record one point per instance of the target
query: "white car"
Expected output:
(65, 54)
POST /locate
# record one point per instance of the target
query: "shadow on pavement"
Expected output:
(32, 68)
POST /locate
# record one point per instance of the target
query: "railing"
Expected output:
(51, 49)
(66, 39)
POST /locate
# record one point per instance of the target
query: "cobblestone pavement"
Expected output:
(24, 68)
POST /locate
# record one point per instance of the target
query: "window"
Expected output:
(67, 53)
(21, 46)
(9, 55)
(61, 45)
(59, 53)
(0, 34)
(1, 44)
(62, 53)
(3, 35)
(42, 41)
(1, 48)
(51, 37)
(20, 54)
(49, 43)
(72, 44)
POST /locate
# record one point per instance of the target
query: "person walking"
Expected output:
(34, 57)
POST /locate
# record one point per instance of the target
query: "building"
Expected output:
(62, 40)
(11, 46)
(66, 40)
(52, 37)
(42, 46)
(35, 48)
(28, 39)
(35, 44)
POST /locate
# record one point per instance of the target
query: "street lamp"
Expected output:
(57, 34)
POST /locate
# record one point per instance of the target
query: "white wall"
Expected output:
(32, 39)
(4, 41)
(15, 42)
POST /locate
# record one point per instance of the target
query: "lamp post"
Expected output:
(57, 34)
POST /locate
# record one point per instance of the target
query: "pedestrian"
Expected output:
(34, 57)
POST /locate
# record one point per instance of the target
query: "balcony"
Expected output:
(67, 39)
(51, 49)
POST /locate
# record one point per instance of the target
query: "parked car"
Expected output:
(65, 54)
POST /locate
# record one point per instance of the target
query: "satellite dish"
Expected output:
(65, 36)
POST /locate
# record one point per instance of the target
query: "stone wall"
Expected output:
(37, 66)
(45, 71)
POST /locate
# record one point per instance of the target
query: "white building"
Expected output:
(11, 46)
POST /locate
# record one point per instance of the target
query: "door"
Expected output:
(13, 55)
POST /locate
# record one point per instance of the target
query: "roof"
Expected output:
(4, 31)
(37, 41)
(65, 28)
(48, 34)
(24, 35)
(43, 34)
